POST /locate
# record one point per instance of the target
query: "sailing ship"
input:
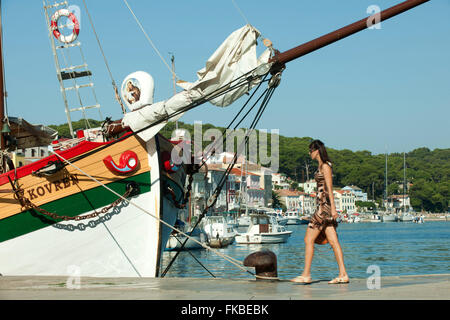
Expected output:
(108, 207)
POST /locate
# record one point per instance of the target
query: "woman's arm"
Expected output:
(327, 172)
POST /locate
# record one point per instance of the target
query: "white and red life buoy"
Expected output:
(54, 26)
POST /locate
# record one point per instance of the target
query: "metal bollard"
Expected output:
(265, 263)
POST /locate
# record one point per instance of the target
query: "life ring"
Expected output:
(54, 26)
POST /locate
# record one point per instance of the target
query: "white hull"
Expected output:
(280, 237)
(389, 218)
(292, 221)
(174, 242)
(406, 218)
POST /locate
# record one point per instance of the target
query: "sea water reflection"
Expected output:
(397, 248)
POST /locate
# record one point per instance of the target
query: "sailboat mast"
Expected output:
(404, 181)
(172, 59)
(385, 183)
(2, 89)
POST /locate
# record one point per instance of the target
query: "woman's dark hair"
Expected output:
(318, 145)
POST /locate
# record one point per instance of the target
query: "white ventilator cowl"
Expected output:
(138, 90)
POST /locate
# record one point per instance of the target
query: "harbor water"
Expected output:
(397, 248)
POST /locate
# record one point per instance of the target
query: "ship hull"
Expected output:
(123, 242)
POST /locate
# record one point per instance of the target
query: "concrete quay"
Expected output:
(409, 287)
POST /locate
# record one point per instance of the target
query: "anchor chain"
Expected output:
(27, 204)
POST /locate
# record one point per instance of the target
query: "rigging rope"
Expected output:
(240, 12)
(150, 40)
(267, 94)
(116, 91)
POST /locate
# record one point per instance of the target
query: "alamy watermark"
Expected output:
(374, 280)
(374, 21)
(230, 141)
(74, 279)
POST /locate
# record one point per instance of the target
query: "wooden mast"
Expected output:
(313, 45)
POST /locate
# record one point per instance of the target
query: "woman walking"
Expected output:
(323, 224)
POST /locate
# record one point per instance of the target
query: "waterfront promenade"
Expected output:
(414, 287)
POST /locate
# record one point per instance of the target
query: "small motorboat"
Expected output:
(263, 229)
(219, 233)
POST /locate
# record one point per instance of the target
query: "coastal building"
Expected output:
(359, 194)
(280, 181)
(308, 201)
(344, 201)
(241, 187)
(301, 202)
(398, 202)
(309, 186)
(290, 199)
(266, 184)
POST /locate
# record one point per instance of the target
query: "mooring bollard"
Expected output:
(265, 263)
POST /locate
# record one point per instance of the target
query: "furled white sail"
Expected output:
(235, 57)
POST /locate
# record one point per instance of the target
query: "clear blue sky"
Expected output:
(376, 89)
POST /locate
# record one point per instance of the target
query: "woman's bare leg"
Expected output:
(331, 234)
(310, 237)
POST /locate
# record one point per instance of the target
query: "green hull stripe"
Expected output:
(73, 205)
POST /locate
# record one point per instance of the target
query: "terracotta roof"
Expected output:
(238, 172)
(287, 193)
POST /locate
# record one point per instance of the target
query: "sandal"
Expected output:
(301, 279)
(339, 280)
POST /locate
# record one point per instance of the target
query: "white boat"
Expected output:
(375, 218)
(281, 219)
(389, 218)
(175, 242)
(243, 222)
(219, 233)
(293, 218)
(263, 229)
(406, 217)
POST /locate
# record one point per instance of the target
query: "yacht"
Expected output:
(389, 217)
(406, 217)
(263, 229)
